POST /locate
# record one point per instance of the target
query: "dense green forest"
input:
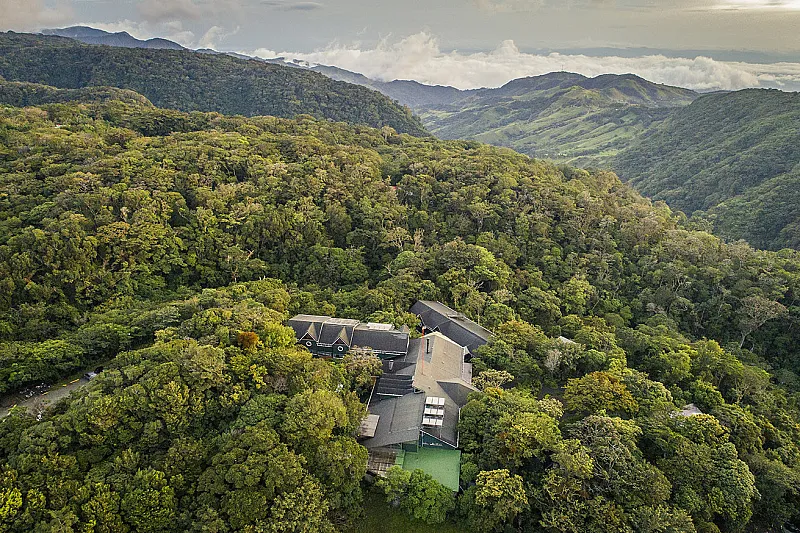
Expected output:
(191, 81)
(180, 242)
(730, 157)
(23, 94)
(733, 156)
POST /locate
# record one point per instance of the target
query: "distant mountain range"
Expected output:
(121, 39)
(732, 158)
(562, 116)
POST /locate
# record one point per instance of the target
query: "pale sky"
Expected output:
(703, 44)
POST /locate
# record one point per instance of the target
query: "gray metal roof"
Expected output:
(400, 420)
(435, 367)
(381, 340)
(307, 324)
(456, 326)
(440, 372)
(326, 330)
(337, 329)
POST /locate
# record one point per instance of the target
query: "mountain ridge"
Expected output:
(123, 39)
(191, 81)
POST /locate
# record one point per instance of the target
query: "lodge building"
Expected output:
(415, 404)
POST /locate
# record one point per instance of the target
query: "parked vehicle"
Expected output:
(89, 376)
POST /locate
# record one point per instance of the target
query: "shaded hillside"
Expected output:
(561, 116)
(22, 94)
(189, 81)
(122, 39)
(733, 155)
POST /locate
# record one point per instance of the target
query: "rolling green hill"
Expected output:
(560, 116)
(191, 81)
(22, 94)
(733, 156)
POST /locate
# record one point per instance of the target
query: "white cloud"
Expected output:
(419, 57)
(32, 15)
(172, 30)
(214, 36)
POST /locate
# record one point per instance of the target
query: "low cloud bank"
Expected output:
(419, 57)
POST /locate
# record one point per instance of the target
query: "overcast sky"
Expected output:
(703, 44)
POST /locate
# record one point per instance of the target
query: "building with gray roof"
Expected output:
(420, 398)
(418, 401)
(435, 316)
(333, 337)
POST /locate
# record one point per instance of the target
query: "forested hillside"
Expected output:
(407, 92)
(22, 94)
(561, 116)
(732, 155)
(190, 81)
(182, 241)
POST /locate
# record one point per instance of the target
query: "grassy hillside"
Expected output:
(560, 116)
(732, 155)
(190, 81)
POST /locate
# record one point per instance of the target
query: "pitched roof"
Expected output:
(399, 421)
(307, 324)
(433, 368)
(337, 329)
(380, 338)
(436, 316)
(383, 338)
(440, 373)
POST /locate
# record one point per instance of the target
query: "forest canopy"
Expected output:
(175, 244)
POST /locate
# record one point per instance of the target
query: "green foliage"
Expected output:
(418, 494)
(599, 391)
(731, 156)
(491, 378)
(173, 437)
(382, 518)
(499, 497)
(186, 80)
(176, 244)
